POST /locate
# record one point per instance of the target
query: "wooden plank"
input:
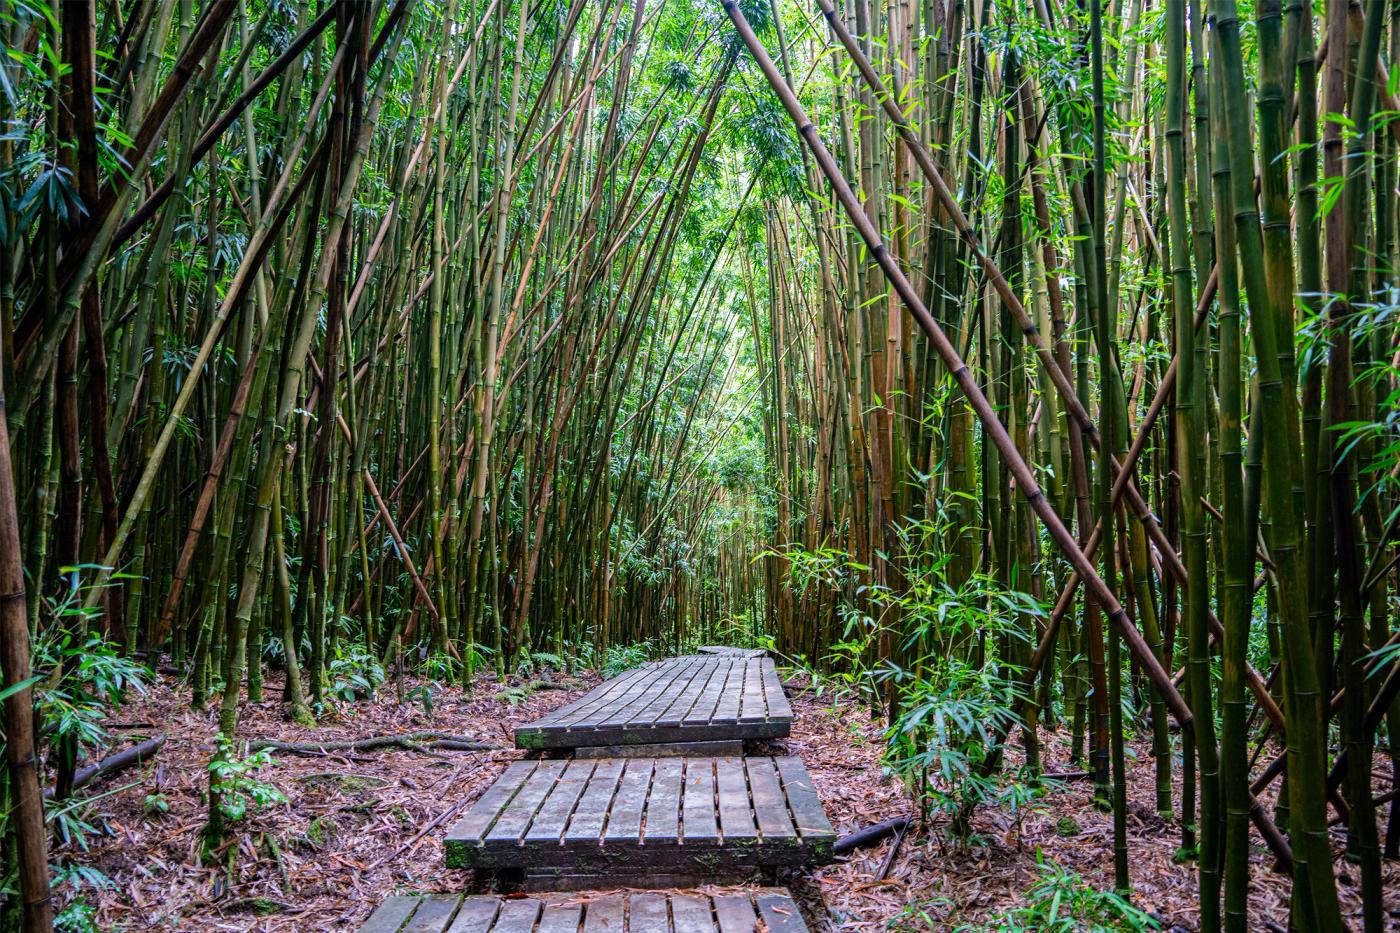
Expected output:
(619, 709)
(691, 914)
(628, 807)
(647, 912)
(583, 712)
(735, 913)
(770, 807)
(554, 814)
(390, 916)
(679, 710)
(517, 916)
(592, 812)
(598, 694)
(671, 682)
(727, 709)
(735, 811)
(476, 914)
(605, 914)
(472, 827)
(433, 915)
(702, 709)
(655, 711)
(664, 803)
(515, 818)
(779, 912)
(807, 813)
(755, 704)
(699, 824)
(561, 917)
(778, 705)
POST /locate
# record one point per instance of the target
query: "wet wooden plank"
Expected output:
(555, 813)
(804, 805)
(700, 824)
(624, 822)
(677, 711)
(736, 818)
(779, 913)
(517, 815)
(663, 813)
(390, 916)
(662, 700)
(605, 914)
(701, 710)
(476, 915)
(778, 705)
(599, 703)
(561, 917)
(597, 798)
(471, 829)
(735, 913)
(648, 817)
(584, 710)
(730, 698)
(770, 807)
(518, 916)
(754, 705)
(433, 915)
(648, 912)
(598, 695)
(664, 684)
(691, 914)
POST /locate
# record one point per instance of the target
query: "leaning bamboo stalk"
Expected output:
(1019, 469)
(1123, 481)
(279, 207)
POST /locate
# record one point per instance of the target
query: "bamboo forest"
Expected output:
(724, 465)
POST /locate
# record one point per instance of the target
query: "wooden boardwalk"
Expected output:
(700, 698)
(644, 801)
(676, 816)
(624, 912)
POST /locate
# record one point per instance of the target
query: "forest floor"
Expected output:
(360, 826)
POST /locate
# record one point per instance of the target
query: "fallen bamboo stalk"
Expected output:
(412, 741)
(871, 835)
(118, 761)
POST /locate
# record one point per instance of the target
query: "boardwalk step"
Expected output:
(698, 698)
(733, 748)
(623, 912)
(702, 816)
(727, 650)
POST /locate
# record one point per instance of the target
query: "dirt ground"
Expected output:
(360, 826)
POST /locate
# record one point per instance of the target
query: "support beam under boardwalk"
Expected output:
(698, 698)
(644, 821)
(739, 911)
